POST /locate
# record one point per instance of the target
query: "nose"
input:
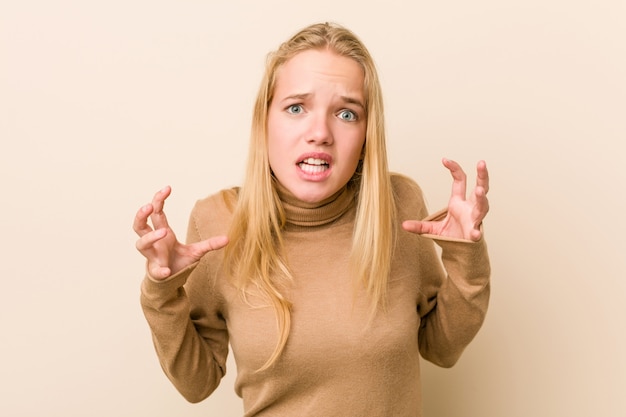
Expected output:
(319, 131)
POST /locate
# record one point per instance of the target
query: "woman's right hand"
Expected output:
(165, 254)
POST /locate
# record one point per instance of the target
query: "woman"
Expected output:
(325, 288)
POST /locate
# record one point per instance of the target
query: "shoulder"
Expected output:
(212, 215)
(223, 200)
(405, 187)
(403, 183)
(408, 195)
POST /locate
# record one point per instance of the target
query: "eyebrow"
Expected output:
(345, 99)
(351, 100)
(301, 96)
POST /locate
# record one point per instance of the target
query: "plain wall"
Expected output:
(103, 103)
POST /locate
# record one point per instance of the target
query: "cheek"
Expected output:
(278, 131)
(277, 152)
(357, 148)
(357, 155)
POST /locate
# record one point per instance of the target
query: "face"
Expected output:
(316, 123)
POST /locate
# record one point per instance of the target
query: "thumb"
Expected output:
(211, 244)
(417, 226)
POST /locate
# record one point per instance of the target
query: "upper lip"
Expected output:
(316, 155)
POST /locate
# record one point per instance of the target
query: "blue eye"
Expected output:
(295, 109)
(348, 115)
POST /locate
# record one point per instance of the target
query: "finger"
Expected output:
(140, 223)
(158, 272)
(159, 220)
(475, 235)
(208, 245)
(481, 207)
(459, 183)
(482, 177)
(418, 227)
(216, 242)
(156, 261)
(148, 240)
(480, 193)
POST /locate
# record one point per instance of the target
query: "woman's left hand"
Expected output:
(465, 214)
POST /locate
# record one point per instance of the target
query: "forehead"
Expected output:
(316, 68)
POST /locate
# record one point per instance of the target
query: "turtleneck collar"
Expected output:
(300, 213)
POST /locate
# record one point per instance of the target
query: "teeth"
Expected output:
(312, 169)
(314, 161)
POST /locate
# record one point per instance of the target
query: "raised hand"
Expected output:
(465, 214)
(158, 243)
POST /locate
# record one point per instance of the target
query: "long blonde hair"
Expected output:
(254, 256)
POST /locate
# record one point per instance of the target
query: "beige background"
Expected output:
(103, 103)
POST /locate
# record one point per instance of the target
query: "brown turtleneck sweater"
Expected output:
(334, 363)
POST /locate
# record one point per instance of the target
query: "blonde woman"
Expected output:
(315, 271)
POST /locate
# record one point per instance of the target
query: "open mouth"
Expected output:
(313, 165)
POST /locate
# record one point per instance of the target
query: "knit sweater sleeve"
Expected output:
(454, 285)
(458, 304)
(190, 337)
